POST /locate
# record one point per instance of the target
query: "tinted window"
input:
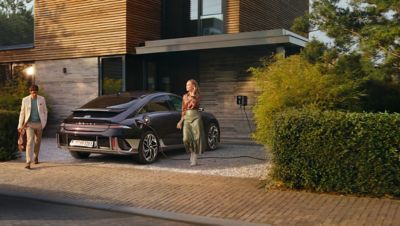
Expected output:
(17, 24)
(112, 75)
(156, 104)
(176, 102)
(114, 102)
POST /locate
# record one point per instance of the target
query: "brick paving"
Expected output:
(200, 195)
(23, 212)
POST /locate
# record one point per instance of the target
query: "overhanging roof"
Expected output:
(254, 38)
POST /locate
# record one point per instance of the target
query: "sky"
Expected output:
(30, 5)
(321, 35)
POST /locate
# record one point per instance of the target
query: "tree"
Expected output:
(9, 7)
(16, 22)
(294, 83)
(370, 28)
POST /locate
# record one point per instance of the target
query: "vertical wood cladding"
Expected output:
(270, 14)
(143, 22)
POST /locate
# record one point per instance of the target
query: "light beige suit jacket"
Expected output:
(25, 112)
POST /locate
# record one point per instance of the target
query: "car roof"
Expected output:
(140, 94)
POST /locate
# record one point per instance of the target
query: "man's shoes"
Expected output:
(28, 166)
(36, 161)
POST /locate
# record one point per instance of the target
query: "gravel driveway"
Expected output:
(249, 161)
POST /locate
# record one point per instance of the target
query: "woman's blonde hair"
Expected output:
(196, 87)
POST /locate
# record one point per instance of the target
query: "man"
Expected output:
(33, 116)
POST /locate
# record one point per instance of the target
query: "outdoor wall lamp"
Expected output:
(30, 71)
(64, 70)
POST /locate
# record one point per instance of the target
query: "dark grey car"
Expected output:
(140, 123)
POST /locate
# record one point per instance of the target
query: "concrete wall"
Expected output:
(66, 91)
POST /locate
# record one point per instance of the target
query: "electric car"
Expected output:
(132, 123)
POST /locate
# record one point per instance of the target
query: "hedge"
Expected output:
(335, 151)
(8, 135)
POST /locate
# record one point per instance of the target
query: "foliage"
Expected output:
(8, 135)
(382, 96)
(16, 22)
(308, 146)
(13, 91)
(111, 86)
(381, 93)
(370, 28)
(13, 6)
(292, 82)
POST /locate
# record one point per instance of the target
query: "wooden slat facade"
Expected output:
(232, 16)
(75, 28)
(143, 22)
(258, 15)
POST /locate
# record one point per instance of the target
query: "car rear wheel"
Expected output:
(212, 136)
(148, 148)
(79, 154)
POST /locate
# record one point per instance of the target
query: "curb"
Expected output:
(133, 210)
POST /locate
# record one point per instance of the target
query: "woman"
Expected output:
(193, 132)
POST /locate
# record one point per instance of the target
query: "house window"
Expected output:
(5, 74)
(112, 75)
(15, 76)
(209, 16)
(17, 24)
(187, 18)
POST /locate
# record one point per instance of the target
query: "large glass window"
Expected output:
(184, 18)
(209, 16)
(5, 74)
(112, 75)
(16, 23)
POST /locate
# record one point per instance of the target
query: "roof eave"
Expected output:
(255, 38)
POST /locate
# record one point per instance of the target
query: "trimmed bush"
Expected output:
(335, 151)
(8, 135)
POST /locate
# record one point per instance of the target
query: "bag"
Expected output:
(22, 139)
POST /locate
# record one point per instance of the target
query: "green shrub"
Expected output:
(8, 135)
(12, 93)
(334, 151)
(292, 82)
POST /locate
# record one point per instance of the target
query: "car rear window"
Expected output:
(113, 102)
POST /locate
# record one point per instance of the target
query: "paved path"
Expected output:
(22, 211)
(191, 195)
(246, 161)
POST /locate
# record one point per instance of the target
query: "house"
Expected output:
(83, 49)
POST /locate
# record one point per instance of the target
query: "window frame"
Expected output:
(171, 97)
(200, 14)
(143, 110)
(101, 75)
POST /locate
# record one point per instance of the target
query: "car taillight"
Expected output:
(114, 143)
(116, 126)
